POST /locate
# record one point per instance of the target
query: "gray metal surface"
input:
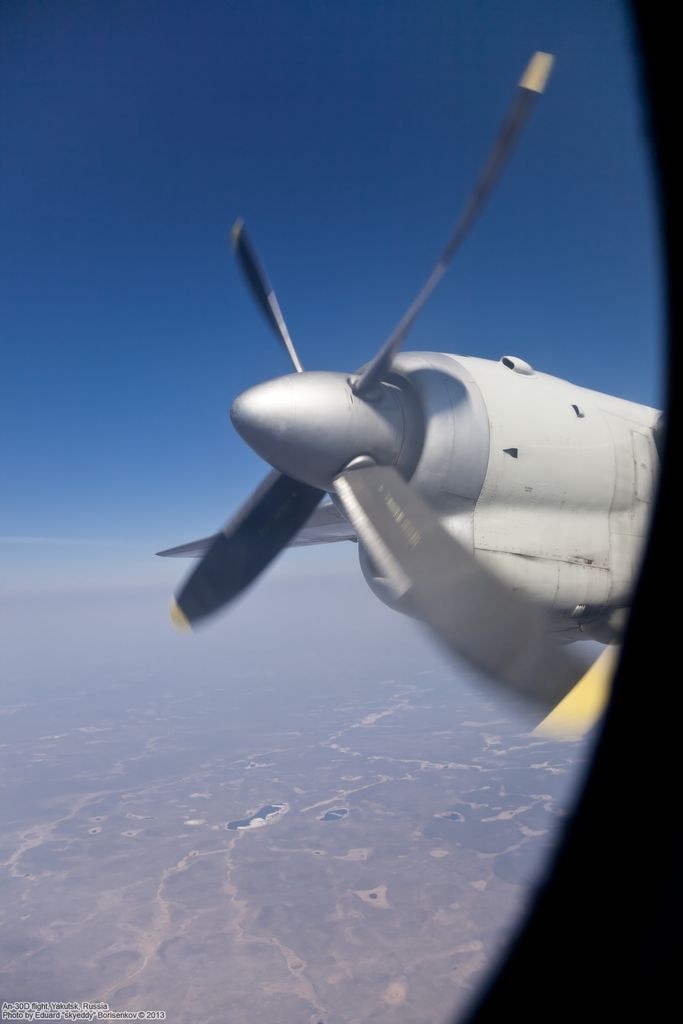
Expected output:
(311, 425)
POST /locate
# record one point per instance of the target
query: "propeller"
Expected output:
(468, 608)
(262, 291)
(531, 85)
(276, 510)
(326, 432)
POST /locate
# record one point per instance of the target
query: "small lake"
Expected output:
(335, 814)
(261, 817)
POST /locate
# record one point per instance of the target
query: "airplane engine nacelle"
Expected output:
(548, 484)
(449, 467)
(454, 455)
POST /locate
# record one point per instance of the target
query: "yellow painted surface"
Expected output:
(236, 231)
(584, 705)
(178, 619)
(537, 71)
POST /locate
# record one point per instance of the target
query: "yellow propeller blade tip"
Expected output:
(178, 618)
(537, 72)
(583, 706)
(236, 231)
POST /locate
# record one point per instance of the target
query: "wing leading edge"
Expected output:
(326, 526)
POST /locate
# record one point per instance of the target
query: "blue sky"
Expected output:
(347, 135)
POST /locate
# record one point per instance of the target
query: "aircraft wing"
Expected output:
(326, 526)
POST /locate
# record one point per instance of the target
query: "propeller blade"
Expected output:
(531, 85)
(262, 290)
(584, 706)
(243, 549)
(469, 608)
